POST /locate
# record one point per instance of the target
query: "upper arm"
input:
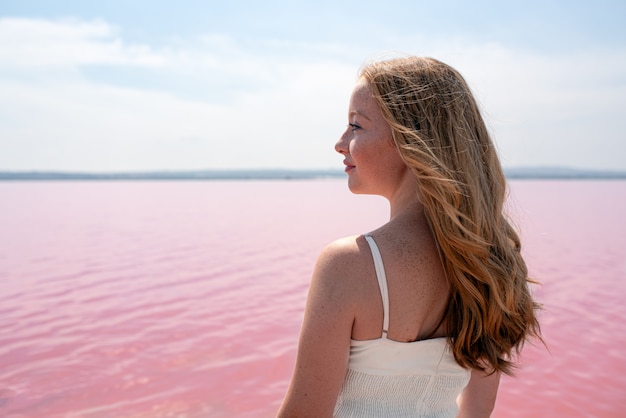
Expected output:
(479, 396)
(324, 344)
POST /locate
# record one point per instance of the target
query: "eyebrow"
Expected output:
(356, 112)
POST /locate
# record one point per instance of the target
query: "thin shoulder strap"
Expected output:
(382, 282)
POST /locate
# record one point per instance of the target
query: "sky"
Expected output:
(191, 85)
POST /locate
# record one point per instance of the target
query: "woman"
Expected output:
(450, 305)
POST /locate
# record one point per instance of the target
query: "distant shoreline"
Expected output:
(256, 174)
(530, 173)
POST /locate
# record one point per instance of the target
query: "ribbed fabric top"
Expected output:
(388, 378)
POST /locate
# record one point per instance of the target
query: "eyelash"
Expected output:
(354, 126)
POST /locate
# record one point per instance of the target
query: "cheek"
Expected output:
(363, 158)
(378, 153)
(388, 162)
(365, 150)
(395, 158)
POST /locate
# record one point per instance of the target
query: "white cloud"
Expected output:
(262, 107)
(61, 119)
(26, 43)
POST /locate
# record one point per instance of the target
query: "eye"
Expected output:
(354, 126)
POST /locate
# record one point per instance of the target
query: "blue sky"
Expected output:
(153, 85)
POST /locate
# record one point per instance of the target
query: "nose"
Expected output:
(341, 146)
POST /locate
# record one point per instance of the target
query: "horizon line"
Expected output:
(521, 172)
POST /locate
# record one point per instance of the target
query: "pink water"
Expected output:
(184, 299)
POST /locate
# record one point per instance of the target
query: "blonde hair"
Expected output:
(438, 129)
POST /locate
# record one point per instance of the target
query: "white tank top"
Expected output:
(388, 378)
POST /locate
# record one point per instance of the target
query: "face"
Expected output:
(373, 163)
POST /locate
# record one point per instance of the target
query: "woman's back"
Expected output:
(387, 377)
(418, 289)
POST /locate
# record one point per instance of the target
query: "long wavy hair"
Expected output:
(439, 131)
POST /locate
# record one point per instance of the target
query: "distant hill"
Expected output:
(561, 173)
(284, 174)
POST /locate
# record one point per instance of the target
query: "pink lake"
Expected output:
(184, 299)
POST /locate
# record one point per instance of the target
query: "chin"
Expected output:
(356, 188)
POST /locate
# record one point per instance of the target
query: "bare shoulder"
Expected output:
(326, 332)
(344, 256)
(342, 264)
(343, 248)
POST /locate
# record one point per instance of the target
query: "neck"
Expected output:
(405, 200)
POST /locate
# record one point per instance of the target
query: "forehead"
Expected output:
(361, 100)
(361, 90)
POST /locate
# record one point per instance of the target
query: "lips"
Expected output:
(348, 166)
